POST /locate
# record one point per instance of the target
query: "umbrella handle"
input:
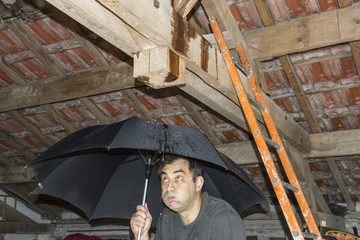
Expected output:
(148, 172)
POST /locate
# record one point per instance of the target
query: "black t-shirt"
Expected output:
(217, 220)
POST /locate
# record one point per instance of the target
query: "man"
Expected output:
(190, 213)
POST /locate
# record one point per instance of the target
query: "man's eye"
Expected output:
(165, 180)
(179, 178)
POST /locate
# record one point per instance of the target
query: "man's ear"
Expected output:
(199, 183)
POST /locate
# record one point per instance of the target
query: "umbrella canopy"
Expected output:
(137, 133)
(108, 182)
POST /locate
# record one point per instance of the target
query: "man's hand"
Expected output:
(142, 218)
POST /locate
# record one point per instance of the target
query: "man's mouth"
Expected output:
(170, 198)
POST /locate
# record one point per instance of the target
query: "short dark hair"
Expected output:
(194, 166)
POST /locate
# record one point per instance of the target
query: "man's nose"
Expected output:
(170, 186)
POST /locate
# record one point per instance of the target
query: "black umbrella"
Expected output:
(102, 169)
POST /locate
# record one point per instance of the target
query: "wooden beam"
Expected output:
(220, 10)
(20, 148)
(337, 86)
(287, 127)
(340, 182)
(355, 48)
(328, 28)
(159, 67)
(201, 58)
(301, 167)
(91, 106)
(333, 144)
(34, 130)
(176, 34)
(11, 73)
(113, 78)
(86, 44)
(183, 7)
(130, 96)
(264, 13)
(300, 35)
(312, 60)
(17, 27)
(299, 93)
(242, 153)
(16, 174)
(5, 161)
(91, 13)
(199, 119)
(26, 228)
(59, 118)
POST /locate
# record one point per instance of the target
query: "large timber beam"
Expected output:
(335, 144)
(16, 174)
(26, 228)
(325, 29)
(113, 78)
(162, 25)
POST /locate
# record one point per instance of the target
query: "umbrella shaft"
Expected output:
(143, 203)
(145, 191)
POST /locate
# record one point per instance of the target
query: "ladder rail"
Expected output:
(259, 139)
(305, 209)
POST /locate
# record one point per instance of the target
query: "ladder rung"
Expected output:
(255, 103)
(290, 187)
(310, 235)
(272, 143)
(242, 67)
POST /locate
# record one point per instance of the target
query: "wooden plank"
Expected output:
(26, 228)
(175, 33)
(344, 3)
(4, 160)
(19, 147)
(322, 89)
(287, 127)
(242, 153)
(16, 174)
(328, 28)
(299, 93)
(221, 11)
(183, 7)
(159, 67)
(301, 167)
(86, 44)
(91, 106)
(59, 118)
(340, 182)
(17, 27)
(104, 23)
(113, 78)
(199, 119)
(311, 61)
(34, 130)
(130, 96)
(333, 144)
(11, 73)
(200, 56)
(325, 29)
(264, 13)
(355, 48)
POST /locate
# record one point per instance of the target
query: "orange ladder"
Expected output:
(262, 141)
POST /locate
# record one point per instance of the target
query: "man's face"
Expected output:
(178, 188)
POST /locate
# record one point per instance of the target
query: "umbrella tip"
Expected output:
(25, 167)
